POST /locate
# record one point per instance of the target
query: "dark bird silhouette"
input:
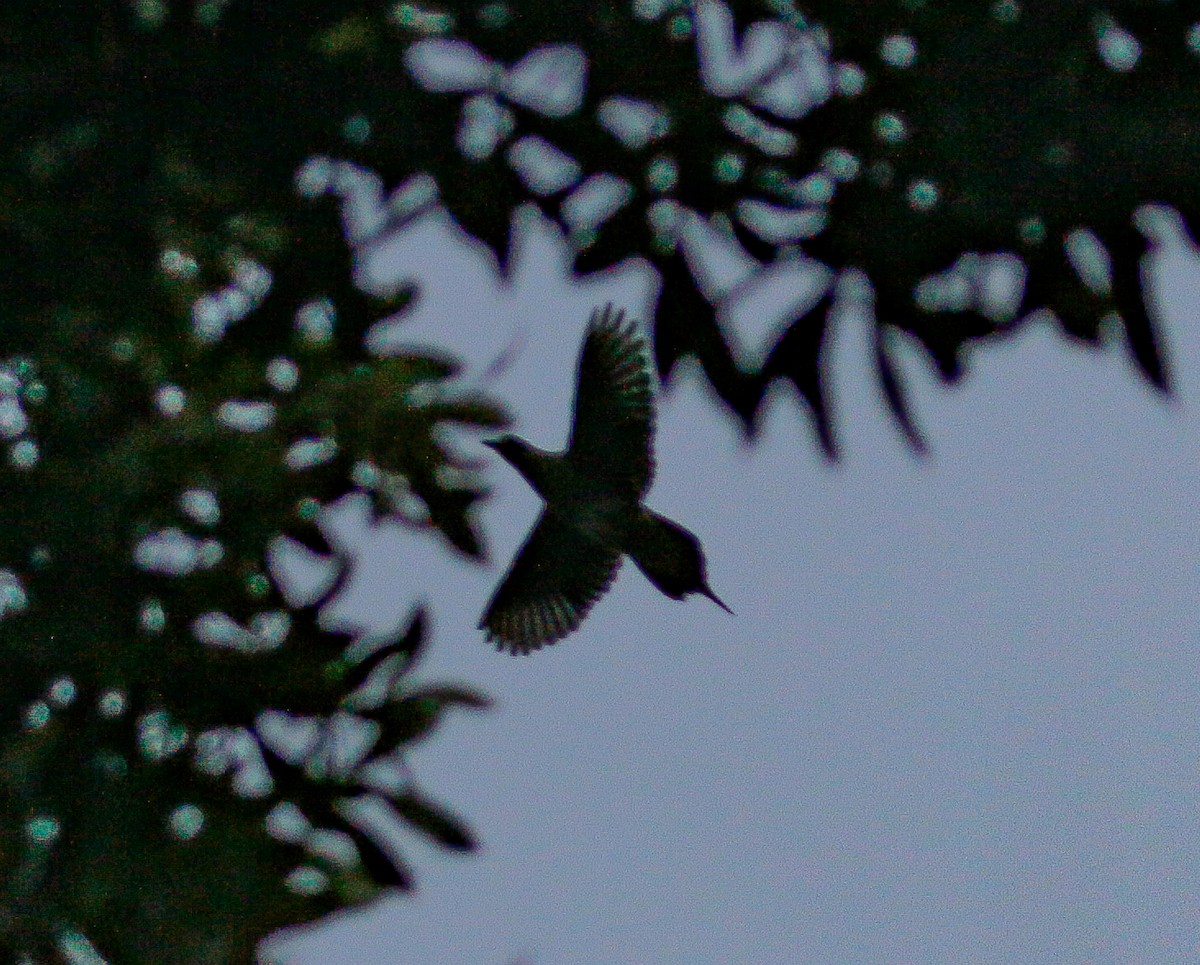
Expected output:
(593, 490)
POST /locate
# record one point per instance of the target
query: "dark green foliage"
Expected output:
(1006, 132)
(147, 165)
(148, 159)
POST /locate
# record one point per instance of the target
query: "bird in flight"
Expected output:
(593, 490)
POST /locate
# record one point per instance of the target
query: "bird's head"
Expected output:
(530, 461)
(509, 447)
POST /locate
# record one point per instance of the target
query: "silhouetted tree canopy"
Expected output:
(184, 381)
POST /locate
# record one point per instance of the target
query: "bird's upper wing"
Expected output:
(614, 407)
(552, 583)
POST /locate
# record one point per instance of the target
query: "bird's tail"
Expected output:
(670, 557)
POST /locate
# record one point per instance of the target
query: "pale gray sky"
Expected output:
(955, 718)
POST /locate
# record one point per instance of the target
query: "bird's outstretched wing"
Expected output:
(614, 407)
(552, 583)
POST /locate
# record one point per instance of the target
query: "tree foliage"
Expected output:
(184, 379)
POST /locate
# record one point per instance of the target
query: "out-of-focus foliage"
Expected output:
(978, 161)
(190, 761)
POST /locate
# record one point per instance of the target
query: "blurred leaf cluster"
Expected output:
(190, 760)
(978, 163)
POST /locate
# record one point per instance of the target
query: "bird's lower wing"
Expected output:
(554, 580)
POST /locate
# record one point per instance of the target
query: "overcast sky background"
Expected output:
(955, 719)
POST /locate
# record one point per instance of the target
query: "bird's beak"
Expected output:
(493, 444)
(716, 599)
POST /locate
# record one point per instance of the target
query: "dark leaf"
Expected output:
(1128, 294)
(432, 820)
(408, 648)
(381, 864)
(893, 390)
(797, 357)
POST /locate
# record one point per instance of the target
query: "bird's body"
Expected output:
(593, 492)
